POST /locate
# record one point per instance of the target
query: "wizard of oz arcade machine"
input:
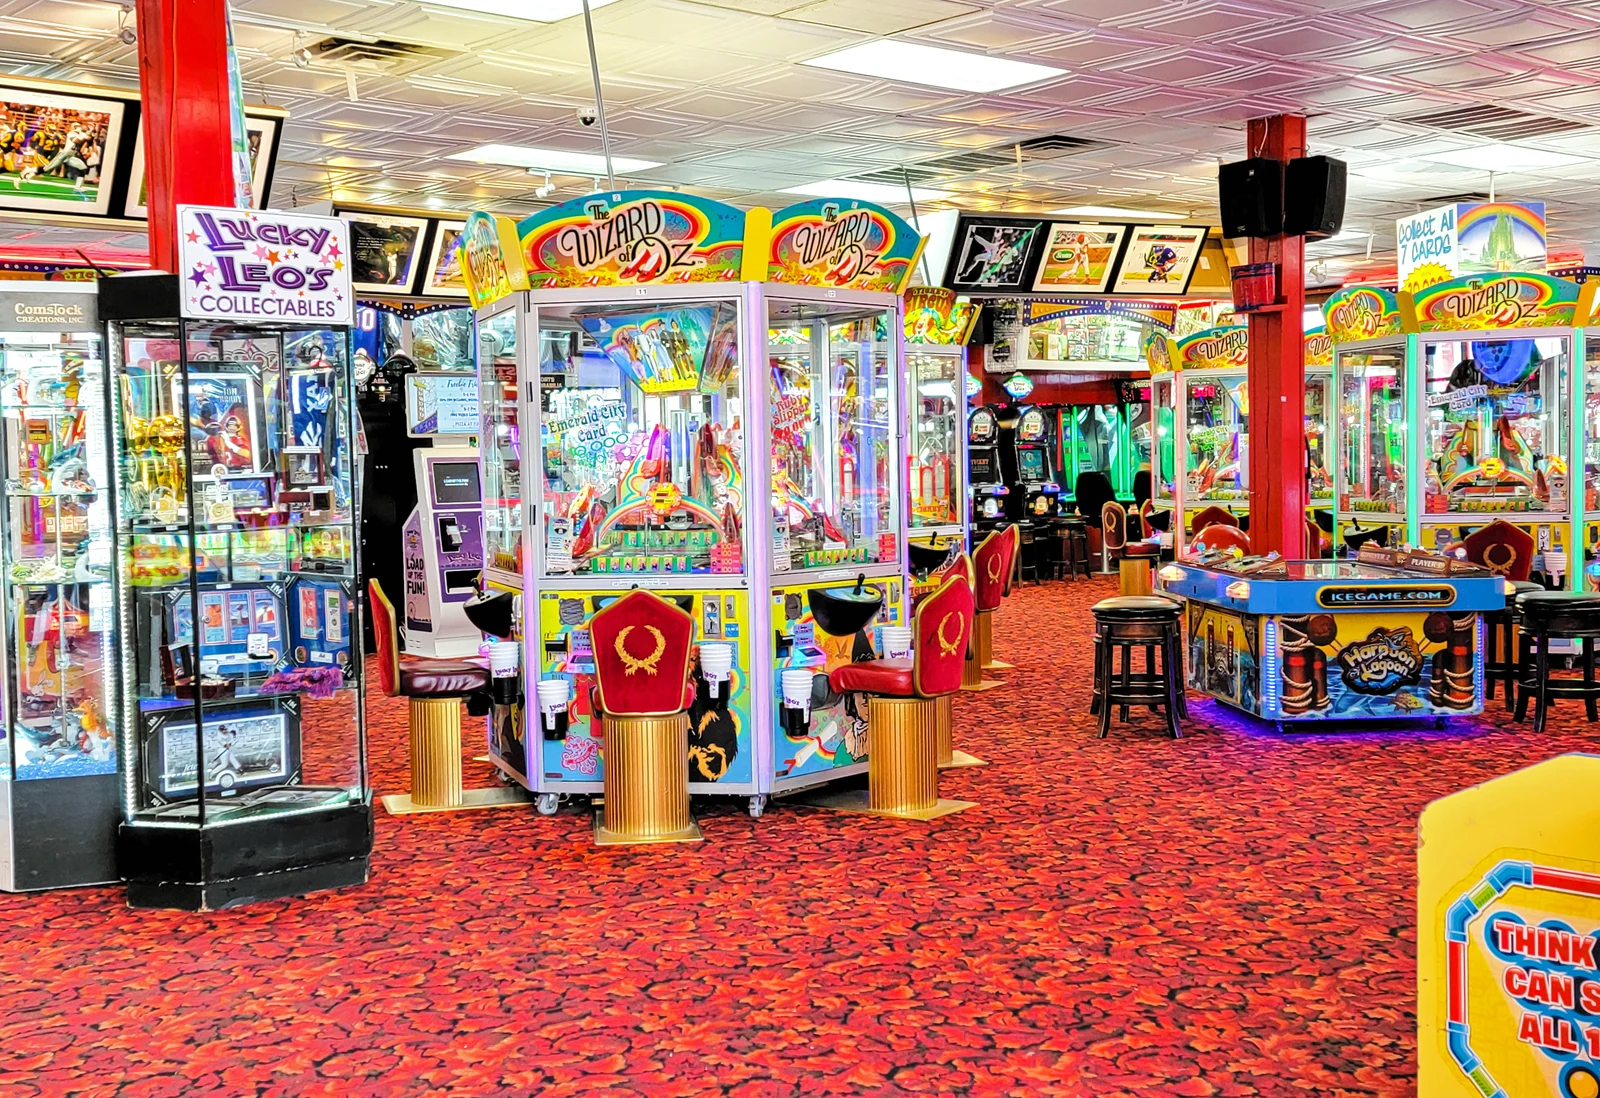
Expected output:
(1200, 398)
(1455, 409)
(1318, 397)
(671, 355)
(936, 329)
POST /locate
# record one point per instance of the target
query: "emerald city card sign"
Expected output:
(263, 265)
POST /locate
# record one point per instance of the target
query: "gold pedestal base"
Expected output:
(859, 801)
(403, 804)
(1135, 575)
(902, 764)
(959, 759)
(981, 685)
(646, 782)
(983, 629)
(972, 676)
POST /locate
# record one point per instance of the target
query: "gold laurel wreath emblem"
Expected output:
(993, 569)
(1500, 568)
(948, 647)
(648, 664)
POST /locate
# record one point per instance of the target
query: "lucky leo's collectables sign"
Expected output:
(263, 265)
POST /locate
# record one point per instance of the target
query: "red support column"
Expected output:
(188, 134)
(1277, 372)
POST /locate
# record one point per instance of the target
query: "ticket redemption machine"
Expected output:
(988, 487)
(716, 417)
(442, 540)
(1457, 407)
(936, 328)
(1200, 402)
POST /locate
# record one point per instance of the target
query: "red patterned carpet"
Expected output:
(1227, 915)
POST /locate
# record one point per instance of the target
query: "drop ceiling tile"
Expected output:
(881, 16)
(1297, 38)
(1431, 15)
(987, 32)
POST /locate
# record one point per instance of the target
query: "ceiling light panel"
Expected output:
(551, 160)
(931, 66)
(887, 193)
(1503, 158)
(535, 11)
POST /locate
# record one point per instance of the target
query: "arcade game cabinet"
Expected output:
(1027, 457)
(988, 485)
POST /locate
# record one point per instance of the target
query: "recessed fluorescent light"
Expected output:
(550, 160)
(1119, 211)
(887, 59)
(866, 192)
(1502, 158)
(538, 11)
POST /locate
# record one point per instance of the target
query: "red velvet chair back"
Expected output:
(1114, 525)
(388, 638)
(1504, 549)
(960, 565)
(1222, 537)
(992, 564)
(1212, 516)
(642, 645)
(944, 630)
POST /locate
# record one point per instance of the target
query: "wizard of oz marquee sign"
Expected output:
(649, 237)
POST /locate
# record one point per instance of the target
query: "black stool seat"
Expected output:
(1141, 608)
(1500, 659)
(1548, 616)
(1150, 623)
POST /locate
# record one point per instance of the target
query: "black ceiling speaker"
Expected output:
(1250, 193)
(1313, 197)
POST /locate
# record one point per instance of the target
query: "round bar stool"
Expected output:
(1500, 661)
(1125, 623)
(1549, 616)
(1074, 535)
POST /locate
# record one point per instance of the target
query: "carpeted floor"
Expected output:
(1227, 915)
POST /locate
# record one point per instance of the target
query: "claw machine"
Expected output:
(1318, 408)
(58, 759)
(1457, 406)
(671, 401)
(240, 723)
(936, 331)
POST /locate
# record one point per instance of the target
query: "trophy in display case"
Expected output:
(240, 726)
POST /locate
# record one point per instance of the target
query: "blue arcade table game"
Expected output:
(1389, 635)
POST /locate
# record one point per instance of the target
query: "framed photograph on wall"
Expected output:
(444, 262)
(58, 152)
(1079, 258)
(263, 134)
(995, 255)
(1159, 259)
(385, 252)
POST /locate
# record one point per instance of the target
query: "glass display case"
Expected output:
(640, 439)
(936, 447)
(500, 435)
(58, 758)
(241, 723)
(1164, 467)
(1319, 458)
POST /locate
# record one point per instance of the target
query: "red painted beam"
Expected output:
(1277, 372)
(188, 135)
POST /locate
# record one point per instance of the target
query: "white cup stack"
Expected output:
(716, 661)
(553, 697)
(1555, 563)
(503, 656)
(897, 642)
(797, 689)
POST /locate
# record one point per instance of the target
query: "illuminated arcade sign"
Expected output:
(1019, 386)
(1215, 349)
(1481, 302)
(633, 238)
(934, 315)
(1158, 353)
(1318, 347)
(491, 263)
(842, 244)
(1361, 312)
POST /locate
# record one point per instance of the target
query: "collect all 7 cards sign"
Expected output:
(263, 265)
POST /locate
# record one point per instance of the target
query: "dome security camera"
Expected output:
(587, 116)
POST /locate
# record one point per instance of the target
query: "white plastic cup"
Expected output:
(716, 661)
(896, 642)
(797, 689)
(503, 658)
(553, 697)
(1555, 563)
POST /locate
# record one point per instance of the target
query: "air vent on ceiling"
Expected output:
(1496, 123)
(1058, 144)
(1464, 198)
(378, 54)
(915, 175)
